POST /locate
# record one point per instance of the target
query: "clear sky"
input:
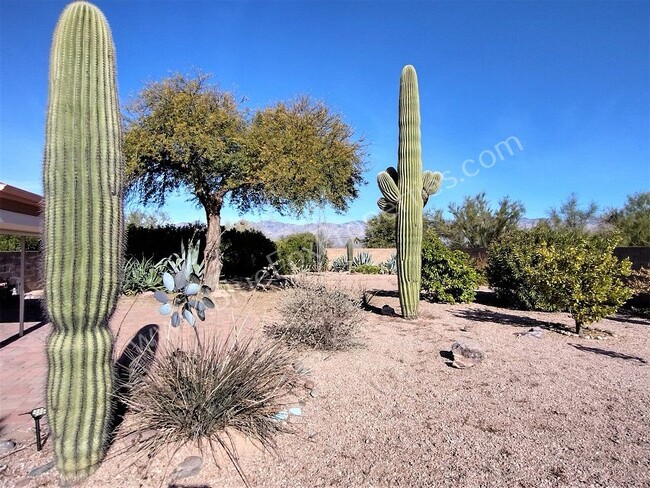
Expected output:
(569, 80)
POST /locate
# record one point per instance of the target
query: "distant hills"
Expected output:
(338, 234)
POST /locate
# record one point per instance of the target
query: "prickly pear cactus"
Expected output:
(83, 229)
(406, 191)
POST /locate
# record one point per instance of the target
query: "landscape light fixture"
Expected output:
(37, 414)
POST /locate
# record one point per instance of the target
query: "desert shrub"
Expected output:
(511, 265)
(245, 252)
(142, 275)
(316, 317)
(639, 281)
(447, 275)
(366, 269)
(583, 276)
(194, 396)
(295, 253)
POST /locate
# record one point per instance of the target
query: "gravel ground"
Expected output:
(553, 411)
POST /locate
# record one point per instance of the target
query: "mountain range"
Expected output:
(338, 234)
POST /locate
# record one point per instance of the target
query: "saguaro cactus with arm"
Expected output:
(406, 191)
(83, 233)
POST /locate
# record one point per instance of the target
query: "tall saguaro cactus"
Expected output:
(83, 231)
(406, 191)
(349, 246)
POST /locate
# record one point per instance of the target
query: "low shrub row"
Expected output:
(550, 270)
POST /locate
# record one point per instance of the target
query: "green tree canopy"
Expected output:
(148, 220)
(475, 224)
(184, 133)
(633, 220)
(570, 217)
(380, 231)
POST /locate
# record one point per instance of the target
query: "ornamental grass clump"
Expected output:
(202, 397)
(316, 317)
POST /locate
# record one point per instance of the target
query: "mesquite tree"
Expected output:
(184, 133)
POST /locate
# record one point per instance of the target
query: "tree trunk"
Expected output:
(212, 256)
(578, 328)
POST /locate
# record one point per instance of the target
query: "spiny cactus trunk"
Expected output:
(83, 233)
(405, 192)
(409, 206)
(349, 246)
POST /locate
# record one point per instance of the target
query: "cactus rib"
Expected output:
(405, 191)
(83, 234)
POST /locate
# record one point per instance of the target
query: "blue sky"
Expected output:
(569, 80)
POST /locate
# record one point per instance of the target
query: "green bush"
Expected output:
(366, 269)
(546, 269)
(639, 283)
(142, 275)
(583, 276)
(245, 252)
(12, 243)
(447, 275)
(511, 265)
(295, 253)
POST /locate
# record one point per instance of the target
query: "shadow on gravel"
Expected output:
(485, 315)
(448, 356)
(611, 354)
(368, 295)
(627, 317)
(174, 485)
(9, 314)
(134, 362)
(485, 297)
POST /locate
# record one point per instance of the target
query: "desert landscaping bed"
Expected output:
(552, 410)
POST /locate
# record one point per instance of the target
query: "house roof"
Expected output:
(20, 211)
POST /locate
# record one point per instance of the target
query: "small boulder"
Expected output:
(295, 411)
(6, 446)
(534, 332)
(388, 310)
(465, 355)
(190, 466)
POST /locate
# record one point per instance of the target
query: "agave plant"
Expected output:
(190, 297)
(187, 261)
(340, 264)
(362, 258)
(142, 275)
(390, 265)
